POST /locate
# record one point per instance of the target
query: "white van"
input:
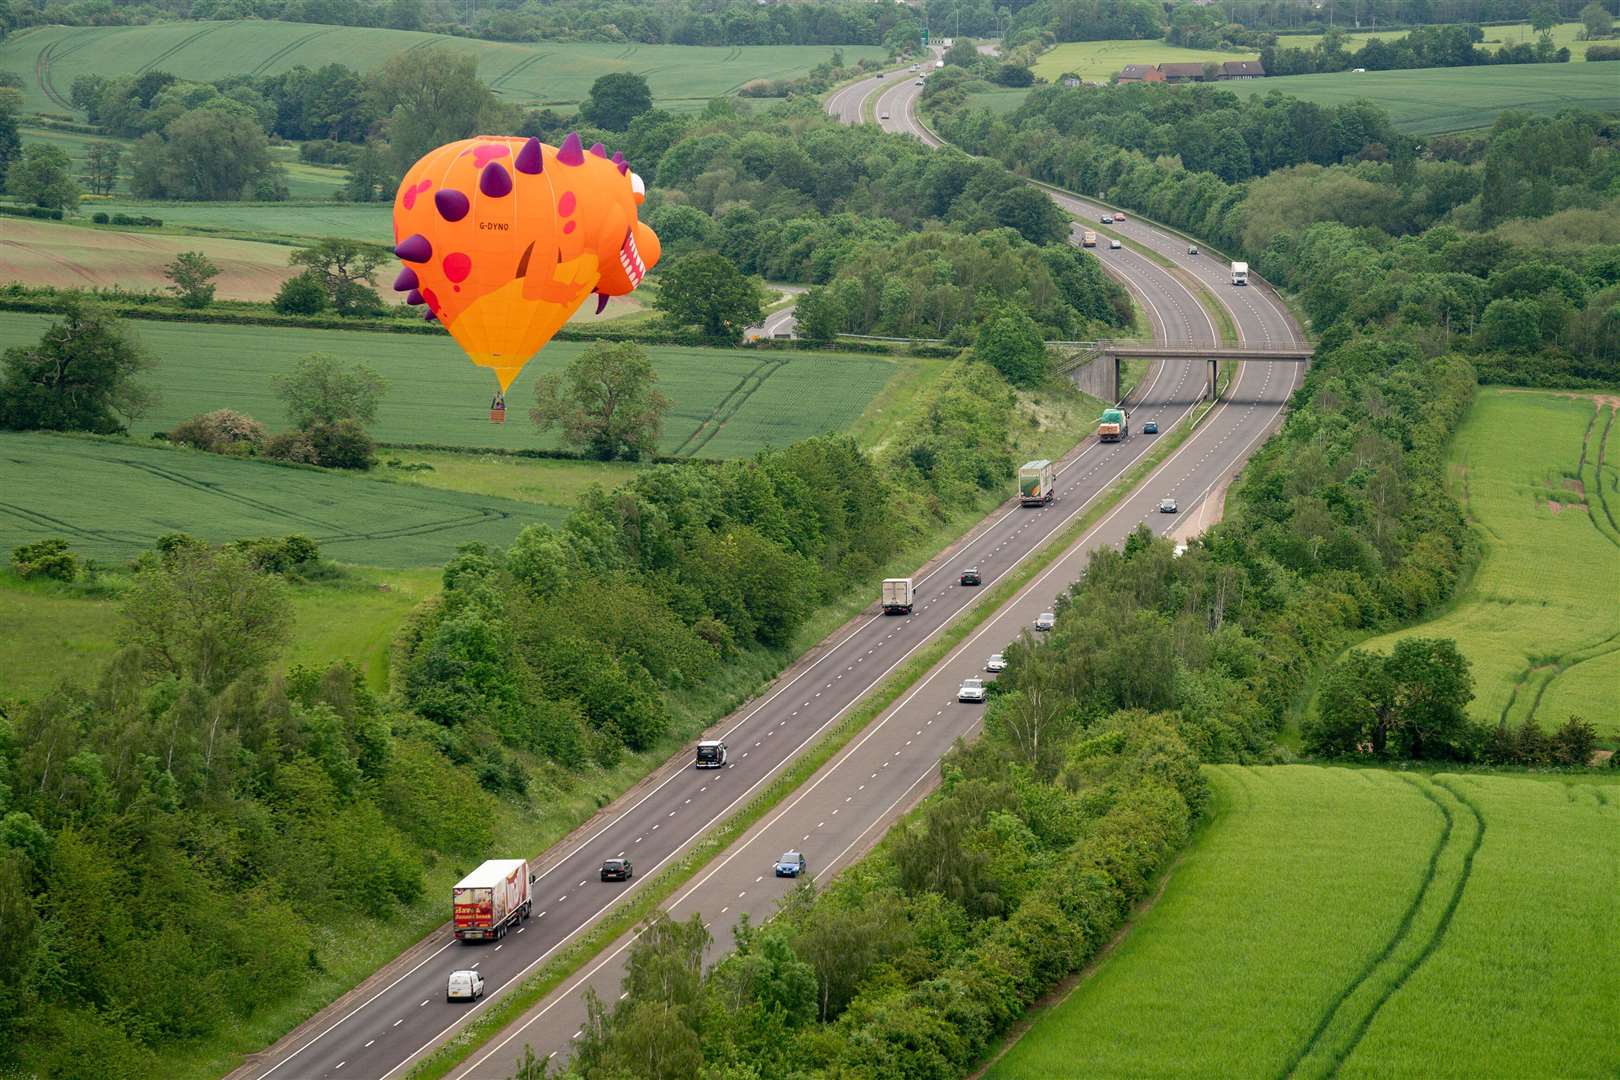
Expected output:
(465, 985)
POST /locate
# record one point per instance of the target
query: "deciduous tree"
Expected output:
(192, 273)
(321, 390)
(41, 177)
(348, 270)
(706, 290)
(82, 376)
(605, 402)
(615, 100)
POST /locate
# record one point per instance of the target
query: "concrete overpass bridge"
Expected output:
(1095, 365)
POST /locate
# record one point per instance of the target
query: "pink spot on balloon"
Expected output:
(457, 265)
(568, 227)
(565, 205)
(483, 155)
(410, 194)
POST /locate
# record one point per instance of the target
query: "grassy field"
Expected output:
(1364, 923)
(727, 403)
(1541, 619)
(1430, 101)
(1095, 61)
(286, 221)
(547, 73)
(111, 498)
(1566, 35)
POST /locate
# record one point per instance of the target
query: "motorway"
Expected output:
(387, 1023)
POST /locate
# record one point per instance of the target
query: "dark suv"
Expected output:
(970, 575)
(616, 870)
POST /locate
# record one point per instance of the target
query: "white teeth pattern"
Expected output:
(630, 259)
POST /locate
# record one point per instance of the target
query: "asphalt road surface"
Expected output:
(387, 1023)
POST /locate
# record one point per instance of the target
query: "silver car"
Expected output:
(1045, 621)
(997, 662)
(1167, 505)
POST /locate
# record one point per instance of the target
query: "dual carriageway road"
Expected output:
(378, 1031)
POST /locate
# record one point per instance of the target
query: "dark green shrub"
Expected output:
(46, 558)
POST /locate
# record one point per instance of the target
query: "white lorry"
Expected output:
(1035, 483)
(1240, 273)
(491, 900)
(898, 596)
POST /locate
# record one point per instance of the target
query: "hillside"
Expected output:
(682, 77)
(1363, 923)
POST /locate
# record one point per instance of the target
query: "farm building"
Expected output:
(1143, 73)
(1186, 72)
(1243, 69)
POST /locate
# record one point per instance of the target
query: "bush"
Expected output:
(45, 558)
(342, 445)
(303, 294)
(32, 212)
(99, 217)
(136, 219)
(1602, 52)
(293, 446)
(280, 555)
(222, 431)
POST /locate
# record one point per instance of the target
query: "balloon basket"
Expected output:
(497, 416)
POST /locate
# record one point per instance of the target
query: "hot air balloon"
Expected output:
(503, 238)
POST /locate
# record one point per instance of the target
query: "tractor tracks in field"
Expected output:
(727, 409)
(1420, 931)
(296, 43)
(516, 69)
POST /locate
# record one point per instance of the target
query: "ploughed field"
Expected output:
(726, 402)
(1539, 475)
(542, 73)
(1364, 923)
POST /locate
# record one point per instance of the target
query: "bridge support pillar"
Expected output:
(1214, 376)
(1099, 377)
(1118, 392)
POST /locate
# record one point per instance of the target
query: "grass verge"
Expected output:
(538, 986)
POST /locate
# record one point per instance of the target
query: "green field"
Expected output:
(1540, 620)
(1096, 61)
(547, 73)
(1566, 35)
(726, 402)
(369, 222)
(111, 498)
(1364, 923)
(1431, 101)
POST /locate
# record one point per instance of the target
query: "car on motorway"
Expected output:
(997, 662)
(913, 67)
(1167, 505)
(970, 575)
(1107, 219)
(616, 870)
(464, 985)
(919, 80)
(1119, 215)
(711, 754)
(791, 864)
(971, 690)
(884, 115)
(1045, 621)
(1150, 427)
(880, 74)
(1113, 244)
(1192, 249)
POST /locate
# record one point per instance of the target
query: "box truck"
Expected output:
(1240, 273)
(897, 596)
(1035, 483)
(1089, 239)
(491, 900)
(1113, 426)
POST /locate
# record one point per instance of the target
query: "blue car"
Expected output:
(791, 864)
(1150, 428)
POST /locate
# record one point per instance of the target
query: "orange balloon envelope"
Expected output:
(503, 238)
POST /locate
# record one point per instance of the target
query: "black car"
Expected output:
(970, 575)
(616, 870)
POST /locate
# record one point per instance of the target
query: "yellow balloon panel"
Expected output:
(503, 238)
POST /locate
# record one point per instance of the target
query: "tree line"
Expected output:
(1425, 47)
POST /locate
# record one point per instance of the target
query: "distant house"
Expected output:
(1071, 81)
(1243, 69)
(1141, 73)
(1182, 73)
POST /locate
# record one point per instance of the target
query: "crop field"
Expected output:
(111, 498)
(1431, 101)
(548, 73)
(1364, 923)
(73, 257)
(726, 402)
(371, 223)
(1541, 619)
(1095, 61)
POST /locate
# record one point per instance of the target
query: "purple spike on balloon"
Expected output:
(414, 297)
(406, 280)
(624, 168)
(415, 249)
(601, 302)
(452, 204)
(599, 150)
(572, 151)
(495, 181)
(618, 157)
(529, 159)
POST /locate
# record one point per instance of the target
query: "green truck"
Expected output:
(1113, 426)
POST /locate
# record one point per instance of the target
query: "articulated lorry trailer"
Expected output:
(1113, 426)
(491, 900)
(1035, 483)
